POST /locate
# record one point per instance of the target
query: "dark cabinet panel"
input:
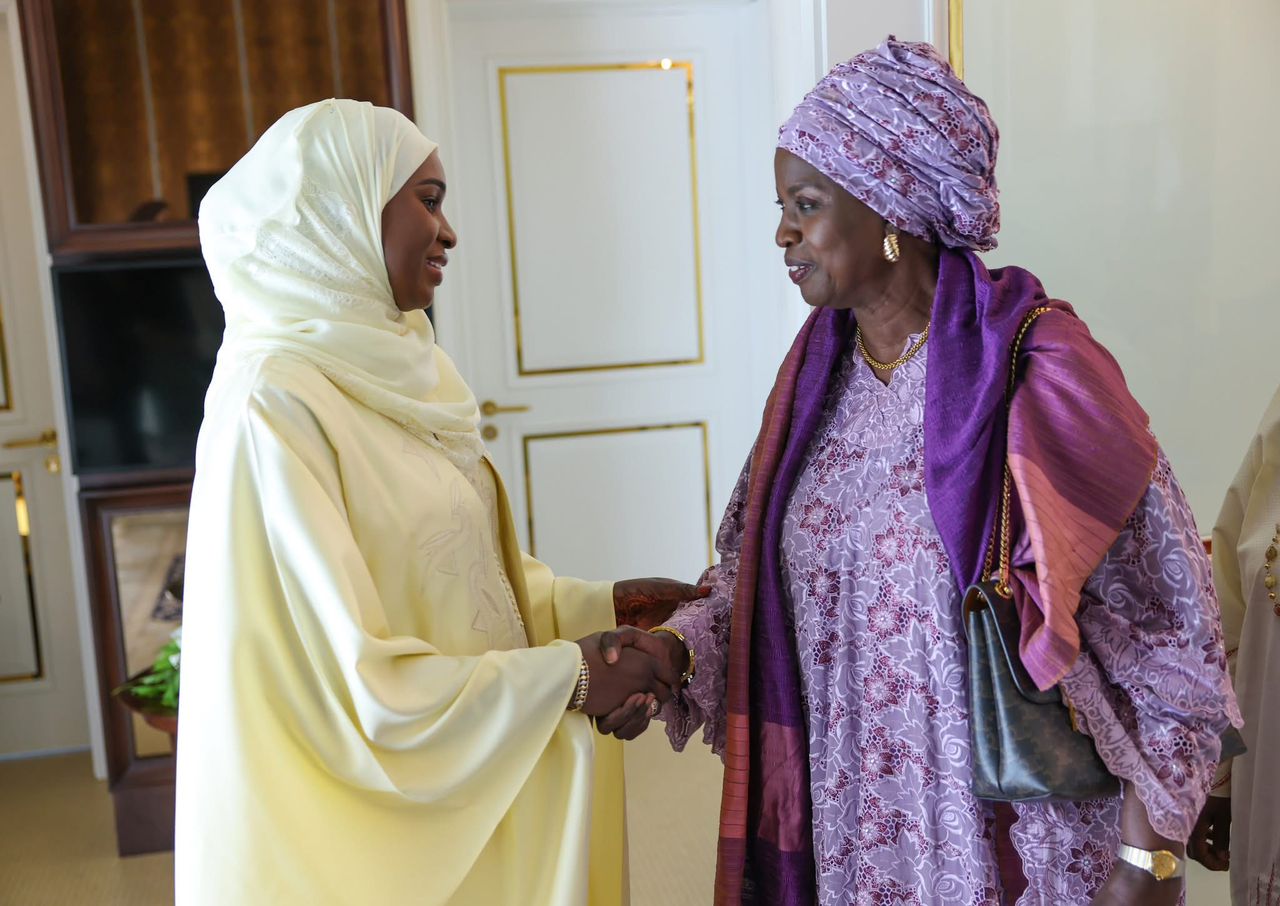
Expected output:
(140, 105)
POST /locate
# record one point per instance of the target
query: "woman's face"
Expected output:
(416, 237)
(833, 242)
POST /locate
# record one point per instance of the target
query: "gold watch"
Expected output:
(687, 677)
(1159, 863)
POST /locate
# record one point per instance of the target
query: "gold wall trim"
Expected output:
(635, 429)
(955, 35)
(504, 73)
(22, 520)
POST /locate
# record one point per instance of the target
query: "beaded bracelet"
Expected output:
(580, 690)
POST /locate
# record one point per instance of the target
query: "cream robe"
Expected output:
(363, 718)
(1246, 527)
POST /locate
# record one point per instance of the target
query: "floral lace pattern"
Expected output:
(882, 651)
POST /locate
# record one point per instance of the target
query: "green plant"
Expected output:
(159, 683)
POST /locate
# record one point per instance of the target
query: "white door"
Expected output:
(42, 705)
(616, 286)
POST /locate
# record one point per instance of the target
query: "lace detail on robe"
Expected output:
(882, 654)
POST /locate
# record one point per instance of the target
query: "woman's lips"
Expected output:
(799, 272)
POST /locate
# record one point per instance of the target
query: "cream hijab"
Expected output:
(292, 236)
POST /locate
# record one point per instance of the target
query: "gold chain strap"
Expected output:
(1001, 534)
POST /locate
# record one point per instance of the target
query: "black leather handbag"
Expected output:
(1025, 743)
(1024, 740)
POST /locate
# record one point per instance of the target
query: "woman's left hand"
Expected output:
(645, 603)
(631, 719)
(1131, 886)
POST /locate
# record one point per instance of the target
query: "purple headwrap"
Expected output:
(898, 131)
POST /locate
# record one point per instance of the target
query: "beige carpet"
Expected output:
(57, 836)
(58, 841)
(673, 813)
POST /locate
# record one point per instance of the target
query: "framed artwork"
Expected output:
(135, 538)
(148, 551)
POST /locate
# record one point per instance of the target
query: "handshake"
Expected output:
(633, 671)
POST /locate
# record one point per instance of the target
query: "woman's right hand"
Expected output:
(663, 646)
(632, 718)
(618, 672)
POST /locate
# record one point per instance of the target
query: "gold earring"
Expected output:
(891, 250)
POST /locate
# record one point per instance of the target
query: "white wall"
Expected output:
(1138, 179)
(853, 26)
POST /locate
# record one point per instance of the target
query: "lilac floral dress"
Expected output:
(876, 616)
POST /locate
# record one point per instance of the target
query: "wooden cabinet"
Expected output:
(140, 105)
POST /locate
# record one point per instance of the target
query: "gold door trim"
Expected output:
(506, 72)
(635, 429)
(6, 405)
(22, 516)
(955, 36)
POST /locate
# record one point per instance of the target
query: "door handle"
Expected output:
(489, 408)
(46, 439)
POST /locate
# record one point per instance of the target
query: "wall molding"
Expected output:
(501, 9)
(955, 36)
(521, 312)
(529, 439)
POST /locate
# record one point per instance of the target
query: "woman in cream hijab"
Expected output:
(378, 687)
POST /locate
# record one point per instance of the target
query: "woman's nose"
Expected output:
(448, 238)
(786, 235)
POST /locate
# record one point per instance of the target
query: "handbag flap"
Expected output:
(982, 597)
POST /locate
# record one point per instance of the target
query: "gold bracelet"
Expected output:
(687, 676)
(580, 689)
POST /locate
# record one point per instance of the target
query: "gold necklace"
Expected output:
(1269, 580)
(896, 363)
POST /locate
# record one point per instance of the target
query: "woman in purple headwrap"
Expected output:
(829, 663)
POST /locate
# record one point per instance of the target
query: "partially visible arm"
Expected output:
(1244, 504)
(1226, 574)
(1151, 684)
(578, 607)
(705, 624)
(1129, 885)
(380, 710)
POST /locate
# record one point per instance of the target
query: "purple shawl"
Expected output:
(1081, 456)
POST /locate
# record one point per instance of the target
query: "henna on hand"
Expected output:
(645, 603)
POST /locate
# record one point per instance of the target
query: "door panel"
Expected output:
(612, 189)
(19, 645)
(622, 288)
(42, 703)
(656, 480)
(607, 287)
